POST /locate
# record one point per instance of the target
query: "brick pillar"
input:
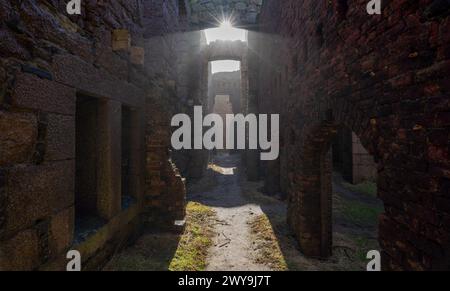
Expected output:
(310, 212)
(165, 192)
(326, 196)
(310, 193)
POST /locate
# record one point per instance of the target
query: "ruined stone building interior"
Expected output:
(87, 164)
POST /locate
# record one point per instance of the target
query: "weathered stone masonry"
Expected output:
(94, 72)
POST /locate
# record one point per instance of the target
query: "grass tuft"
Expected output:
(360, 213)
(266, 242)
(193, 248)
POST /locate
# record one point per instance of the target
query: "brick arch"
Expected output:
(409, 215)
(310, 180)
(386, 80)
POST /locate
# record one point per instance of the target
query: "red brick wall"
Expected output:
(386, 77)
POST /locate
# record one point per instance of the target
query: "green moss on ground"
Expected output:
(193, 248)
(167, 251)
(360, 213)
(266, 243)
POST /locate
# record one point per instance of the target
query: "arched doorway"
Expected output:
(314, 187)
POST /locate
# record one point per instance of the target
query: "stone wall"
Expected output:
(190, 91)
(363, 166)
(51, 63)
(268, 81)
(351, 159)
(385, 77)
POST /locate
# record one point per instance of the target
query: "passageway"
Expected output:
(247, 230)
(87, 162)
(233, 249)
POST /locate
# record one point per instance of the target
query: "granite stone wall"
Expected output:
(54, 69)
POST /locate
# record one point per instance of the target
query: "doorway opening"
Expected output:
(224, 95)
(355, 206)
(128, 147)
(87, 216)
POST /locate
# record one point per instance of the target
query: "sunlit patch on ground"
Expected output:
(222, 170)
(168, 251)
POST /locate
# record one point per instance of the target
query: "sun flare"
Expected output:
(226, 24)
(225, 31)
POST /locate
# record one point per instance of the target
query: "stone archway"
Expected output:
(226, 50)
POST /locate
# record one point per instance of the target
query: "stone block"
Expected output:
(20, 253)
(35, 93)
(18, 136)
(73, 71)
(111, 62)
(36, 192)
(137, 55)
(61, 231)
(121, 40)
(60, 137)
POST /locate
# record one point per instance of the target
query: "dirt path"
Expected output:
(233, 248)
